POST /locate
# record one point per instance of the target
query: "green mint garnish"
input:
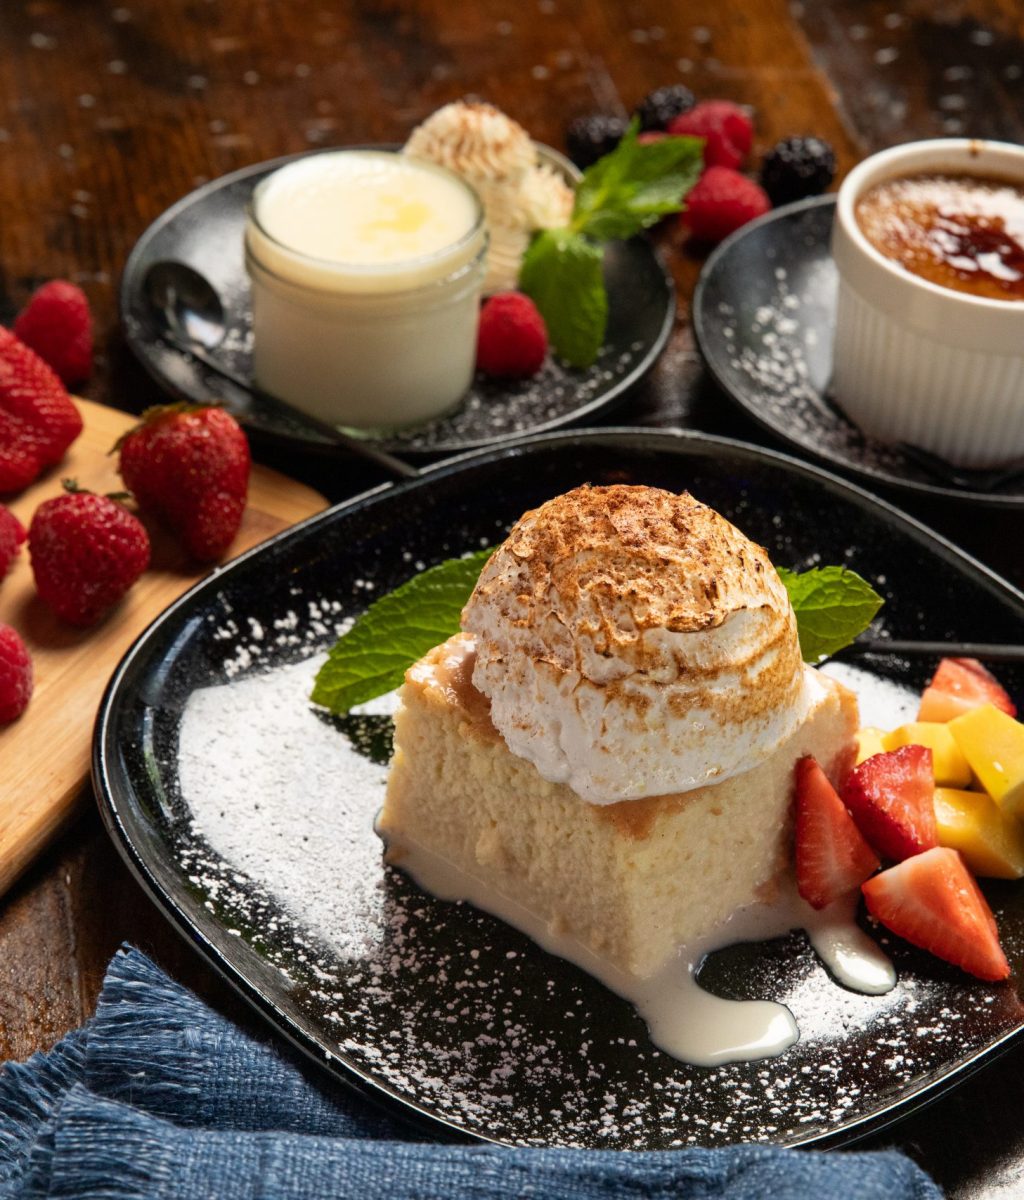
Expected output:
(562, 273)
(636, 185)
(372, 657)
(621, 194)
(833, 605)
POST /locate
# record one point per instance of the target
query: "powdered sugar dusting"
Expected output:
(265, 777)
(766, 313)
(777, 353)
(883, 702)
(443, 1005)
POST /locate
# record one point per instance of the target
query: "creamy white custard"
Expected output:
(366, 268)
(684, 1019)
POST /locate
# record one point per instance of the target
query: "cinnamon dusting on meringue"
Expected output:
(634, 643)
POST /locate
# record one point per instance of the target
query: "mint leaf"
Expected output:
(636, 185)
(621, 194)
(372, 657)
(833, 606)
(562, 273)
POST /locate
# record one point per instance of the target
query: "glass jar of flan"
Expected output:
(366, 270)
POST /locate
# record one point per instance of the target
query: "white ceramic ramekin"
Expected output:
(915, 362)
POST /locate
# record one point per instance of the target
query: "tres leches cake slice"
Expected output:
(608, 749)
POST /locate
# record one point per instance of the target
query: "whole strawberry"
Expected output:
(86, 552)
(15, 675)
(57, 324)
(38, 419)
(190, 466)
(12, 534)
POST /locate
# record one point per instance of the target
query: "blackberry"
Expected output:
(590, 137)
(659, 107)
(797, 167)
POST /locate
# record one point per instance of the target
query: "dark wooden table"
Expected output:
(110, 113)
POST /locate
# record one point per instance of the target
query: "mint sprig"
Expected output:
(832, 605)
(563, 274)
(635, 186)
(622, 194)
(372, 657)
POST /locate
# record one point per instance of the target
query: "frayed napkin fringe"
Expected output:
(100, 1150)
(138, 999)
(30, 1092)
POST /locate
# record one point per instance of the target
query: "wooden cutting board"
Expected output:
(45, 754)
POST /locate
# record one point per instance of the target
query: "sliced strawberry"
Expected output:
(958, 685)
(832, 858)
(932, 901)
(892, 799)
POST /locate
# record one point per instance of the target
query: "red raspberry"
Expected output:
(726, 129)
(512, 339)
(720, 202)
(38, 420)
(57, 324)
(86, 553)
(190, 466)
(15, 675)
(12, 534)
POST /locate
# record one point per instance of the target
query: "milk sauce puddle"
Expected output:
(252, 819)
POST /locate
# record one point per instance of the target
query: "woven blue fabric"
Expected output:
(160, 1098)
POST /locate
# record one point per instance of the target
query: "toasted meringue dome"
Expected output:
(496, 157)
(633, 643)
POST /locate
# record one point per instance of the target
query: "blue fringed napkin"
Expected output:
(159, 1098)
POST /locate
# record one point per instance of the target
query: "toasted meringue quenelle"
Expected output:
(496, 157)
(632, 643)
(646, 623)
(476, 141)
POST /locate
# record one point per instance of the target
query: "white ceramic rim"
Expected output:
(933, 154)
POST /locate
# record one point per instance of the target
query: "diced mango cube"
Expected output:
(948, 763)
(869, 743)
(993, 743)
(991, 842)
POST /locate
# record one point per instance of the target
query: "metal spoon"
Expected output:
(189, 315)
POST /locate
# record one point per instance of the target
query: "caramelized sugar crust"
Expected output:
(957, 231)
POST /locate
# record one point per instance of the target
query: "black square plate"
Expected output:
(440, 1008)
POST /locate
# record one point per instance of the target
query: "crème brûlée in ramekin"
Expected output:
(608, 747)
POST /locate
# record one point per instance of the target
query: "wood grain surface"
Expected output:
(46, 754)
(110, 112)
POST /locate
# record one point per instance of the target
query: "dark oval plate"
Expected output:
(440, 1007)
(205, 231)
(763, 317)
